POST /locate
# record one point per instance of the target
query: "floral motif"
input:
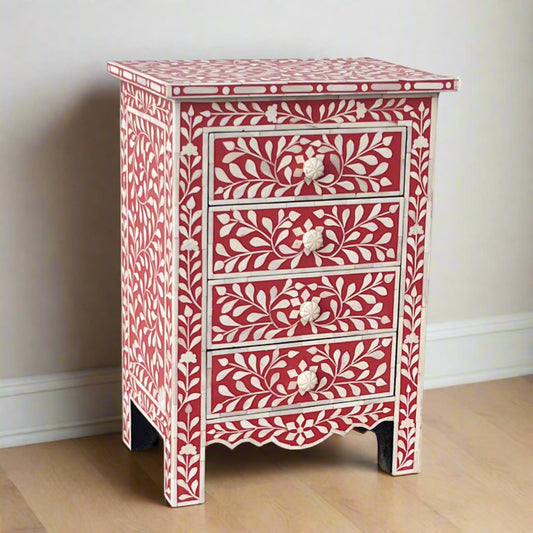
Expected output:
(162, 397)
(272, 113)
(411, 338)
(420, 142)
(189, 467)
(188, 357)
(416, 229)
(407, 423)
(189, 245)
(360, 110)
(189, 149)
(300, 429)
(188, 449)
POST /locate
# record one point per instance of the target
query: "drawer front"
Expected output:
(251, 312)
(309, 373)
(266, 166)
(304, 236)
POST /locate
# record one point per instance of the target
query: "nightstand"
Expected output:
(275, 218)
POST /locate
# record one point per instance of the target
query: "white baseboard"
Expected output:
(59, 406)
(478, 350)
(78, 404)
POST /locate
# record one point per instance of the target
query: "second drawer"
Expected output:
(304, 236)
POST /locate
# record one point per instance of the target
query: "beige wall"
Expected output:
(59, 238)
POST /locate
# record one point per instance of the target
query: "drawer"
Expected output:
(308, 373)
(309, 163)
(308, 306)
(304, 236)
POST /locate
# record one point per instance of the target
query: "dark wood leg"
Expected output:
(385, 434)
(143, 434)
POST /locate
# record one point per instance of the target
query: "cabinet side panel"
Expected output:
(412, 301)
(125, 273)
(146, 250)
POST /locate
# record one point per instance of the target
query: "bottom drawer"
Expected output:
(308, 373)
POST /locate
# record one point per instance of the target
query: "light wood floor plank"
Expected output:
(15, 515)
(501, 404)
(274, 499)
(489, 474)
(477, 475)
(348, 479)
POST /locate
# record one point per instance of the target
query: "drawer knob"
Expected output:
(313, 169)
(307, 381)
(309, 311)
(312, 240)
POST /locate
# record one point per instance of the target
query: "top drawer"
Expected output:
(306, 164)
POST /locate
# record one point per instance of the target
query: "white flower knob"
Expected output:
(307, 381)
(312, 240)
(313, 169)
(309, 311)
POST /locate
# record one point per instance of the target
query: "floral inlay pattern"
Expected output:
(259, 379)
(270, 309)
(299, 430)
(305, 237)
(411, 317)
(189, 467)
(273, 166)
(146, 260)
(163, 272)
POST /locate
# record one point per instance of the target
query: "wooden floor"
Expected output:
(477, 476)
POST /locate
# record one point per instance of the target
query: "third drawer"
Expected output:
(307, 306)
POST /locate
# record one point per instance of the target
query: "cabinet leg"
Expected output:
(385, 436)
(143, 434)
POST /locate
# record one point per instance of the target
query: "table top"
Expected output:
(191, 79)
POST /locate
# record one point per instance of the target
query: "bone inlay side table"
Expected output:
(275, 219)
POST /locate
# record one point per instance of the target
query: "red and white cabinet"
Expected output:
(275, 219)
